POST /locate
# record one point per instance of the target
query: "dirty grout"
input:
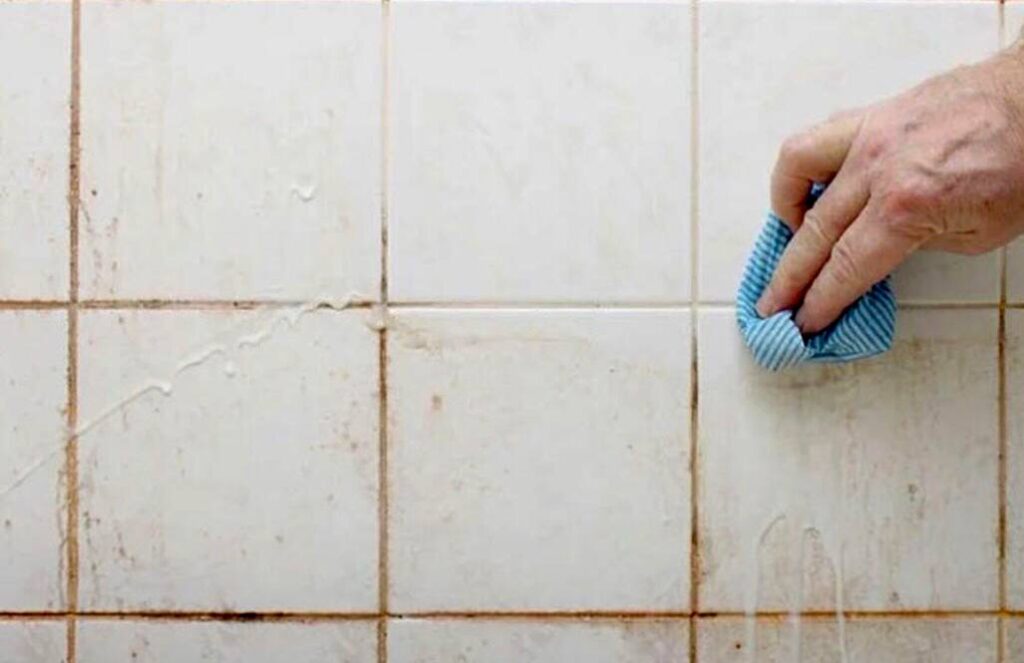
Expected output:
(383, 516)
(695, 569)
(71, 448)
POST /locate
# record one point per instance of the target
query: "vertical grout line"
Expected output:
(1003, 446)
(71, 444)
(694, 321)
(1001, 409)
(383, 561)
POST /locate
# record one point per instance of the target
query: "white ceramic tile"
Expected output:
(539, 460)
(230, 150)
(32, 642)
(1015, 458)
(33, 395)
(415, 641)
(540, 152)
(180, 642)
(862, 486)
(918, 640)
(35, 68)
(768, 69)
(251, 484)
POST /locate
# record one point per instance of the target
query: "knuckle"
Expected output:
(818, 228)
(874, 145)
(905, 208)
(796, 148)
(845, 265)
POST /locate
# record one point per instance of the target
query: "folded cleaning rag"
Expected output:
(863, 330)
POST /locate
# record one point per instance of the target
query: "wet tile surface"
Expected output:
(549, 162)
(199, 183)
(539, 461)
(863, 486)
(228, 461)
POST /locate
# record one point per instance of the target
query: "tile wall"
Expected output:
(340, 330)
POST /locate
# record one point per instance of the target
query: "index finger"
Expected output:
(814, 155)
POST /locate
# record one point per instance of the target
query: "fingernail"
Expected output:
(766, 304)
(800, 320)
(802, 324)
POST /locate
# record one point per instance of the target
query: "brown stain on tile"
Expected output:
(436, 403)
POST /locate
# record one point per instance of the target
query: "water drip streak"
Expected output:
(288, 318)
(754, 597)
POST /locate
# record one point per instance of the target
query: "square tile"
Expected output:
(539, 460)
(820, 640)
(769, 69)
(34, 147)
(217, 172)
(540, 152)
(598, 641)
(273, 642)
(33, 398)
(33, 641)
(1015, 459)
(862, 486)
(228, 460)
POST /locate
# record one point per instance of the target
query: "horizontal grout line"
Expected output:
(33, 304)
(257, 617)
(250, 304)
(213, 304)
(179, 304)
(542, 614)
(199, 616)
(863, 614)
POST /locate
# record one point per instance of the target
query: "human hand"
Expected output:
(940, 166)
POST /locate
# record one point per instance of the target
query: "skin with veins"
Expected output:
(940, 166)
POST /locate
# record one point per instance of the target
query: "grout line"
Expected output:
(481, 615)
(555, 305)
(194, 616)
(383, 519)
(562, 615)
(250, 304)
(858, 614)
(1003, 443)
(1001, 421)
(694, 336)
(215, 304)
(71, 444)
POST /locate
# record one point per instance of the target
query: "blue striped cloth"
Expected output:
(863, 330)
